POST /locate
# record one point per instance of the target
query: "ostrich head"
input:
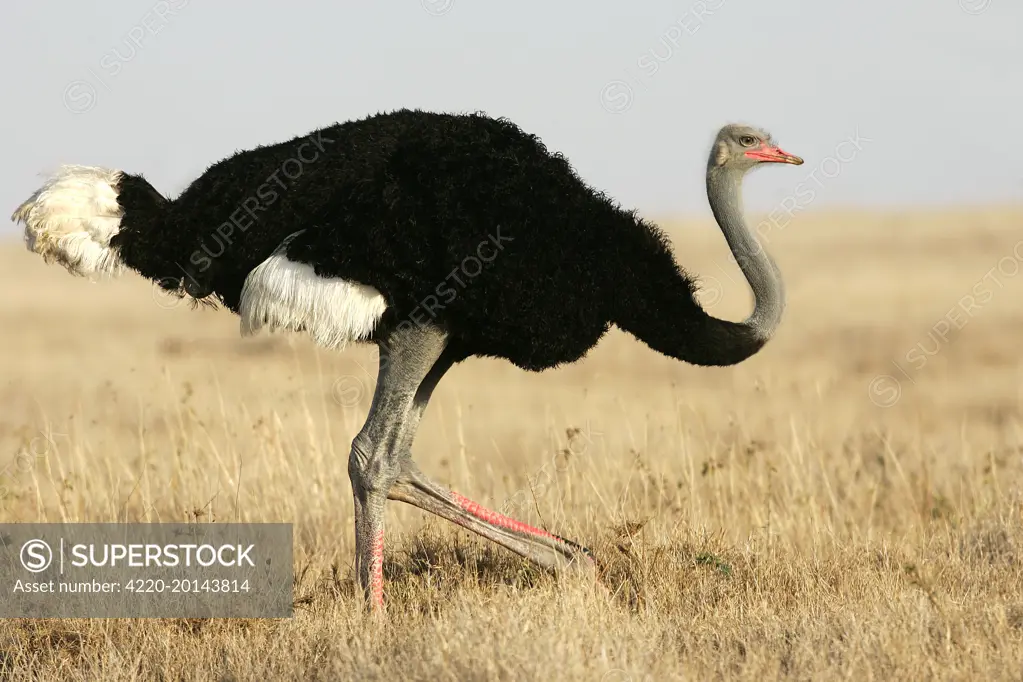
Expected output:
(742, 147)
(737, 150)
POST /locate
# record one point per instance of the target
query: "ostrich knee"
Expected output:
(371, 468)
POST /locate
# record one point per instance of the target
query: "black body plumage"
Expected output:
(462, 221)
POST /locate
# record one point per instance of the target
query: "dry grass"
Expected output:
(762, 521)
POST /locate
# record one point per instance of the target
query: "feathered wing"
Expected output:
(286, 294)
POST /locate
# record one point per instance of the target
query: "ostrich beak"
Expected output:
(773, 155)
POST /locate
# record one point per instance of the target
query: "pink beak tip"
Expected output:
(774, 155)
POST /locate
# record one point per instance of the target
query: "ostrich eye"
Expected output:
(747, 140)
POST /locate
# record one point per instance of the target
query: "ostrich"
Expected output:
(437, 237)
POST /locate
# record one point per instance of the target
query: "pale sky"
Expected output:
(631, 92)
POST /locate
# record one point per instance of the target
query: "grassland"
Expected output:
(845, 505)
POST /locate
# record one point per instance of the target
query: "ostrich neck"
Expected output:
(724, 191)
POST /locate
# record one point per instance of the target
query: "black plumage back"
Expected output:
(463, 221)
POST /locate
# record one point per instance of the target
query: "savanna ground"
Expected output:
(846, 504)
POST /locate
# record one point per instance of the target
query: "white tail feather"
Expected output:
(71, 218)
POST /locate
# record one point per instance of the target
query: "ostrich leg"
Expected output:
(412, 362)
(544, 548)
(415, 488)
(406, 357)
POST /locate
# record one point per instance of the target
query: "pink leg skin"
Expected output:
(498, 519)
(545, 549)
(376, 572)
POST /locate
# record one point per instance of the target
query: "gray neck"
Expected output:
(724, 190)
